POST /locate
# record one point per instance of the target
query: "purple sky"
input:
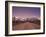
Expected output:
(25, 12)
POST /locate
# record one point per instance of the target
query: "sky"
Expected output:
(26, 12)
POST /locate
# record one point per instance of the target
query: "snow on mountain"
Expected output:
(23, 19)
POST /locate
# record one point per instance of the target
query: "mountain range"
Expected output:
(27, 19)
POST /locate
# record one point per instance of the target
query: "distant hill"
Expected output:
(31, 20)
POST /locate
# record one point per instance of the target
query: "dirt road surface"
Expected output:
(26, 26)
